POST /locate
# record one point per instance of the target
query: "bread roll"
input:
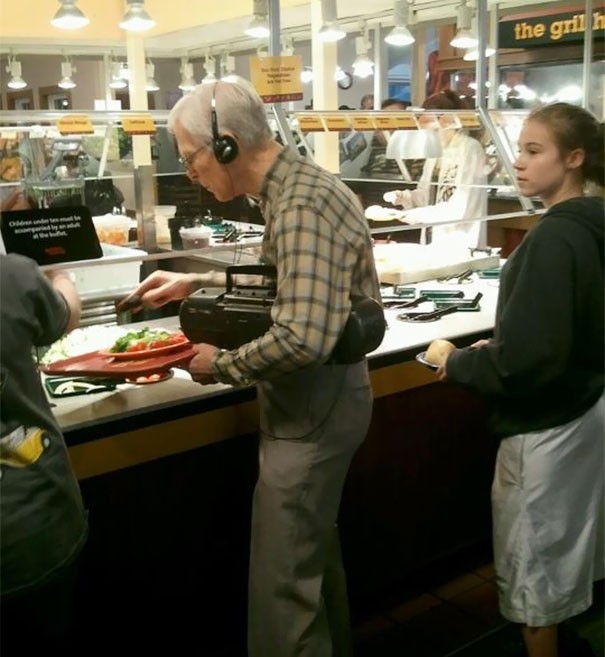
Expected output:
(438, 351)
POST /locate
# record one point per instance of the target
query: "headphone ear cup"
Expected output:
(225, 149)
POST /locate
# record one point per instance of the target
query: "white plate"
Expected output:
(421, 358)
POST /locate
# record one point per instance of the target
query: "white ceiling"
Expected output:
(296, 20)
(218, 36)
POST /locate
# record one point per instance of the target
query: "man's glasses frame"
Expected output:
(187, 162)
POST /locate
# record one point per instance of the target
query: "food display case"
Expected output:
(381, 151)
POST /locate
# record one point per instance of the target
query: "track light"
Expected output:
(188, 82)
(69, 17)
(150, 83)
(306, 75)
(118, 80)
(227, 67)
(472, 55)
(287, 46)
(67, 70)
(14, 68)
(210, 68)
(330, 30)
(259, 25)
(464, 37)
(339, 74)
(363, 66)
(136, 19)
(400, 35)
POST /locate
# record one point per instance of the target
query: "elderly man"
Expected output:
(314, 411)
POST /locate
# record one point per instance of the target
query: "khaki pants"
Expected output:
(312, 423)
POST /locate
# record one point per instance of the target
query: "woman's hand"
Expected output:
(480, 344)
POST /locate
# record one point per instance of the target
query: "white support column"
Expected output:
(418, 67)
(144, 185)
(135, 50)
(492, 66)
(380, 70)
(325, 90)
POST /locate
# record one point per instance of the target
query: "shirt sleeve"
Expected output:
(312, 303)
(533, 335)
(413, 198)
(51, 312)
(470, 175)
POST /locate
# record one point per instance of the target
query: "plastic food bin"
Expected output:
(112, 229)
(109, 279)
(195, 237)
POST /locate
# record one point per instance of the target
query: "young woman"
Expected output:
(542, 375)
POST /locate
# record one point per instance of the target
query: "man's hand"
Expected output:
(200, 366)
(157, 290)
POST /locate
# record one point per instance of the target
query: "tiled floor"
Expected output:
(459, 618)
(436, 622)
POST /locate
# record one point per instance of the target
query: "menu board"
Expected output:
(51, 235)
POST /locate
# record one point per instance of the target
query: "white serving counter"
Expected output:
(151, 408)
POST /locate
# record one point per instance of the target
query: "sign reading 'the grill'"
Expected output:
(549, 30)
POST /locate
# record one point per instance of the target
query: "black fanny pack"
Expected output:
(230, 317)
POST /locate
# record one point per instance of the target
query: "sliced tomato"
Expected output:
(158, 344)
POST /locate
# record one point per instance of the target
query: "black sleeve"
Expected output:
(533, 333)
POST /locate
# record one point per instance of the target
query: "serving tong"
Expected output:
(434, 315)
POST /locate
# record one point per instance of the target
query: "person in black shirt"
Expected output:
(542, 375)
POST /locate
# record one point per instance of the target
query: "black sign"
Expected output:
(549, 30)
(51, 235)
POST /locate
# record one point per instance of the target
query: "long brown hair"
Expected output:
(445, 100)
(573, 127)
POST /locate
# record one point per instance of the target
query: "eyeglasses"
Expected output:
(187, 162)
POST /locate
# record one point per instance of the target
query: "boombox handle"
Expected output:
(252, 270)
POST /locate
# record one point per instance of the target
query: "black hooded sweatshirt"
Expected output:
(544, 366)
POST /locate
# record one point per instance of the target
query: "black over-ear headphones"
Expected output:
(224, 146)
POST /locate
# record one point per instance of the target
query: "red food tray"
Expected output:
(97, 364)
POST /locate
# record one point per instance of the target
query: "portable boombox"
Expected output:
(230, 317)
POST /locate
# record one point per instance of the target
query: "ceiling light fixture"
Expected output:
(136, 18)
(330, 30)
(339, 74)
(117, 76)
(210, 68)
(287, 46)
(67, 70)
(227, 66)
(150, 83)
(14, 68)
(472, 55)
(188, 82)
(400, 35)
(306, 75)
(363, 66)
(259, 25)
(69, 17)
(464, 37)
